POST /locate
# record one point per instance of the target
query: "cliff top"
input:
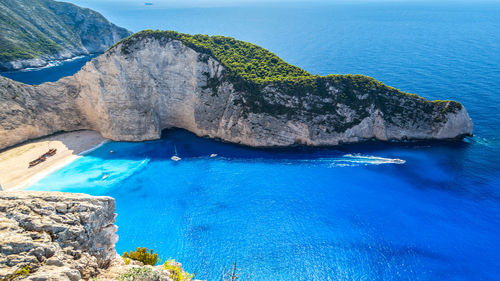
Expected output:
(65, 236)
(251, 69)
(243, 59)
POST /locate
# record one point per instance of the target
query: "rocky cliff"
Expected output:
(219, 87)
(35, 32)
(60, 236)
(66, 236)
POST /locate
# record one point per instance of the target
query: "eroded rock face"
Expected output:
(28, 112)
(45, 30)
(61, 236)
(161, 83)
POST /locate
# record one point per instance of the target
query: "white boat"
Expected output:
(399, 161)
(175, 157)
(213, 155)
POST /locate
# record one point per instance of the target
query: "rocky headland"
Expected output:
(36, 32)
(221, 88)
(65, 236)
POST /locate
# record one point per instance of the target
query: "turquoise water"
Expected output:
(347, 213)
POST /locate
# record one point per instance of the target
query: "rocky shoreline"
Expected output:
(37, 32)
(42, 62)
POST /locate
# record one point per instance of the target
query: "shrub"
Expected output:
(447, 106)
(142, 255)
(176, 273)
(140, 274)
(19, 274)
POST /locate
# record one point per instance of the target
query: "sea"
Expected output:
(371, 211)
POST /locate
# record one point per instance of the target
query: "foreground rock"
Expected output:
(65, 236)
(153, 81)
(35, 32)
(60, 236)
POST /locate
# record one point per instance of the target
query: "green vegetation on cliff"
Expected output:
(34, 28)
(19, 274)
(254, 70)
(243, 60)
(142, 255)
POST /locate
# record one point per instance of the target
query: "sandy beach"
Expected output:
(14, 170)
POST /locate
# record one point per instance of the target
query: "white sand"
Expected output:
(14, 171)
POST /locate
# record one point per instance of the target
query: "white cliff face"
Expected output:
(161, 83)
(456, 124)
(60, 236)
(28, 112)
(160, 90)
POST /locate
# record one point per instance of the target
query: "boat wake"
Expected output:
(483, 141)
(50, 64)
(359, 160)
(346, 160)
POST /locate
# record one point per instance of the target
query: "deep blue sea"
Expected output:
(353, 212)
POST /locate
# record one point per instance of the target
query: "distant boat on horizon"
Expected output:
(148, 4)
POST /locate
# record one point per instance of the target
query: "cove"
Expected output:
(292, 214)
(350, 212)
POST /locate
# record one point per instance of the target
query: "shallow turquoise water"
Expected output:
(346, 213)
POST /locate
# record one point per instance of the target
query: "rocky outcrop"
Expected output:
(28, 112)
(147, 84)
(59, 236)
(35, 32)
(67, 236)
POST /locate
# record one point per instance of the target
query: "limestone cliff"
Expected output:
(60, 236)
(66, 236)
(35, 32)
(154, 81)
